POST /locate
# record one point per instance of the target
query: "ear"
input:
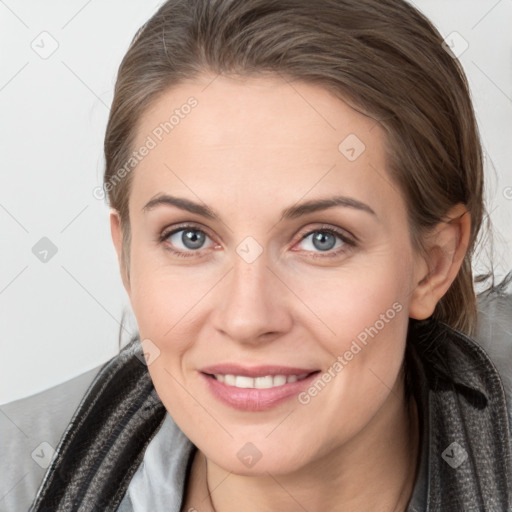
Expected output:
(446, 248)
(117, 237)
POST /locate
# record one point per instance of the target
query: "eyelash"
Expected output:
(348, 243)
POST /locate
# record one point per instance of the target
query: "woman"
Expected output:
(296, 193)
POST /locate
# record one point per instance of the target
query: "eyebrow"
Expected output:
(292, 212)
(182, 203)
(323, 204)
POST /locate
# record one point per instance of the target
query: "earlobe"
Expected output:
(117, 238)
(446, 248)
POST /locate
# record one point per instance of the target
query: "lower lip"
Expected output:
(252, 399)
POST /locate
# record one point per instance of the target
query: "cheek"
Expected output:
(165, 307)
(360, 297)
(169, 304)
(363, 327)
(159, 296)
(365, 341)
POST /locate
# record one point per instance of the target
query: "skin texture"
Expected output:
(251, 148)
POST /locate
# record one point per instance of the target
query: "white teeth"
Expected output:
(266, 382)
(229, 380)
(279, 380)
(244, 382)
(263, 382)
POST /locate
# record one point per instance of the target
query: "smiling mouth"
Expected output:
(256, 388)
(263, 382)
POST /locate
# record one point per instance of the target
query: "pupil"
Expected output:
(324, 241)
(192, 239)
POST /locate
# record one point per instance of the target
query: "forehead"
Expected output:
(263, 135)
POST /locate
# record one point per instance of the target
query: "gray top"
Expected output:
(30, 430)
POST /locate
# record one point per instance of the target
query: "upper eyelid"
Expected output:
(342, 233)
(176, 229)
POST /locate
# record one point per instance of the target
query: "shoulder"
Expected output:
(30, 430)
(495, 337)
(467, 397)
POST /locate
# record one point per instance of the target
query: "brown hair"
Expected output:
(382, 56)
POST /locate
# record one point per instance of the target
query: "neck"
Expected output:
(376, 470)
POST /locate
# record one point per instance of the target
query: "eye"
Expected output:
(186, 239)
(325, 240)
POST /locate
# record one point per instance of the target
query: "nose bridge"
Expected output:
(248, 281)
(250, 305)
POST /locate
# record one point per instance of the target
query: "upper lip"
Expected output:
(254, 371)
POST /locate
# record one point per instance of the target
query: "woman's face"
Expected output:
(271, 270)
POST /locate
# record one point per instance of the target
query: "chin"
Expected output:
(260, 457)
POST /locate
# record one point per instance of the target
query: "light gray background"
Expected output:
(61, 317)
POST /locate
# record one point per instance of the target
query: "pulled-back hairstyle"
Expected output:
(381, 56)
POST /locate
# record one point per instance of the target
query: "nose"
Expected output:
(251, 307)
